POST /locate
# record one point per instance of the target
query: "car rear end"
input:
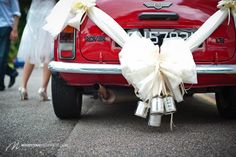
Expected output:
(87, 59)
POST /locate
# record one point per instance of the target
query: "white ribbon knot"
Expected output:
(79, 11)
(229, 5)
(67, 12)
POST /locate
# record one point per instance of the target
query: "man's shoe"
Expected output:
(13, 78)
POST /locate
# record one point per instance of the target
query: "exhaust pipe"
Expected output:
(111, 96)
(107, 96)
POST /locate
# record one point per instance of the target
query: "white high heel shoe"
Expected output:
(23, 93)
(43, 95)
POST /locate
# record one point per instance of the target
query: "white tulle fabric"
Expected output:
(144, 65)
(171, 63)
(36, 43)
(63, 14)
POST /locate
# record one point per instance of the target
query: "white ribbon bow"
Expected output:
(227, 4)
(148, 70)
(67, 12)
(79, 11)
(73, 13)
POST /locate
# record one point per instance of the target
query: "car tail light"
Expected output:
(66, 43)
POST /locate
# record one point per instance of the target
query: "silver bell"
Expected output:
(142, 109)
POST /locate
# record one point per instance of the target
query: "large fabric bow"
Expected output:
(79, 10)
(148, 68)
(67, 12)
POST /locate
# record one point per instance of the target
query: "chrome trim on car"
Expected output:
(84, 68)
(216, 69)
(55, 66)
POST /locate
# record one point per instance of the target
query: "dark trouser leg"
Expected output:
(11, 72)
(4, 50)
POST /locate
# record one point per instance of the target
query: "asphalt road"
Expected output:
(30, 128)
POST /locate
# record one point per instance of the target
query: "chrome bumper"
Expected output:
(116, 68)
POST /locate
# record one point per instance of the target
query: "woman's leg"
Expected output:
(43, 90)
(46, 76)
(28, 68)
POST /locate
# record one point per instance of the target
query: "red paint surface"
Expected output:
(192, 14)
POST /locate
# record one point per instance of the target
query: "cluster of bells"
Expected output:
(158, 106)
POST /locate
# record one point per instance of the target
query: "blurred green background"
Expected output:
(24, 7)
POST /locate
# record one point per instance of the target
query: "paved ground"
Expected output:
(30, 128)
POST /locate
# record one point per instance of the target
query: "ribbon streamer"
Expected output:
(108, 25)
(212, 23)
(206, 29)
(73, 14)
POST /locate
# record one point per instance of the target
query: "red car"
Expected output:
(87, 62)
